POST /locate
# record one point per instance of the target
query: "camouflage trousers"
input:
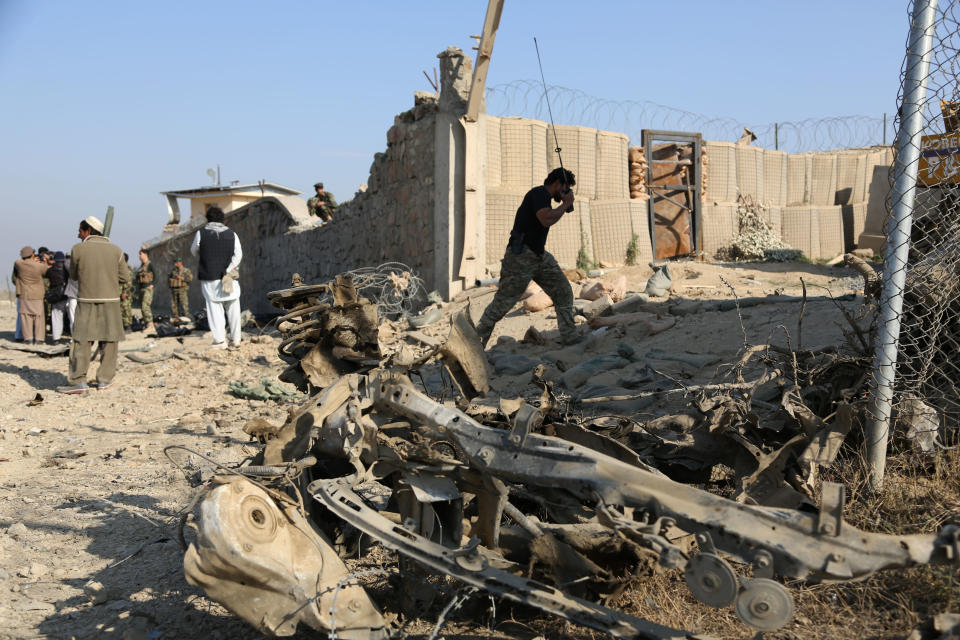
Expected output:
(179, 303)
(126, 310)
(516, 272)
(146, 304)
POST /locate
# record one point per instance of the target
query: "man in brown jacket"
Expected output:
(100, 271)
(29, 281)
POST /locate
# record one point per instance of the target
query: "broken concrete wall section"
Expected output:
(409, 200)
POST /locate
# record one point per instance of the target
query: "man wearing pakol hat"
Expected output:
(29, 273)
(100, 271)
(219, 251)
(179, 281)
(323, 204)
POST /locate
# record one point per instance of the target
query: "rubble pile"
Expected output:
(528, 498)
(755, 239)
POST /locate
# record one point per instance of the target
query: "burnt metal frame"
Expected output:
(647, 138)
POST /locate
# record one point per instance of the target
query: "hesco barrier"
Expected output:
(822, 203)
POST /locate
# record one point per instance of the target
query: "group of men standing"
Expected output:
(44, 292)
(144, 280)
(103, 276)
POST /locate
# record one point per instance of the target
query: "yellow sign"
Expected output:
(939, 159)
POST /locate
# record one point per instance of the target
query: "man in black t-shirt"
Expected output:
(526, 259)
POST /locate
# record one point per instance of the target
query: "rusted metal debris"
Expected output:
(518, 499)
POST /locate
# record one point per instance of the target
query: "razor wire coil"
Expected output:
(577, 108)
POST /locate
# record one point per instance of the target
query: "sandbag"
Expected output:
(537, 302)
(532, 289)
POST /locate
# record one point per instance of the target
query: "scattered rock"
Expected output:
(17, 530)
(532, 289)
(191, 418)
(511, 364)
(597, 307)
(865, 253)
(578, 375)
(625, 351)
(538, 302)
(698, 360)
(4, 575)
(504, 341)
(637, 378)
(686, 308)
(631, 304)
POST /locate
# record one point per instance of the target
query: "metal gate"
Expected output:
(673, 183)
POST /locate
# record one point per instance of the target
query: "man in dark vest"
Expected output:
(218, 249)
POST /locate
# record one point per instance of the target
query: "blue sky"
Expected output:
(110, 102)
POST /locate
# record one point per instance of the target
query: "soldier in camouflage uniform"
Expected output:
(180, 279)
(146, 276)
(323, 204)
(126, 297)
(526, 259)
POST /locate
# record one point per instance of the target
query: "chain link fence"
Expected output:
(917, 332)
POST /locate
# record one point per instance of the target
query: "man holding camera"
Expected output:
(30, 271)
(526, 258)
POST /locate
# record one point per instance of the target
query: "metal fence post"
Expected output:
(898, 236)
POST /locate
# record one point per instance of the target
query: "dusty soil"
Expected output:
(89, 502)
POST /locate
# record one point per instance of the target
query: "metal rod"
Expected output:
(556, 140)
(776, 136)
(108, 222)
(674, 187)
(898, 237)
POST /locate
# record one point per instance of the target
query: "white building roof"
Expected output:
(227, 189)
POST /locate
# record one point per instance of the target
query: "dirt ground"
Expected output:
(89, 502)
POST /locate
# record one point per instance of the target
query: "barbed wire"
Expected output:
(394, 287)
(577, 108)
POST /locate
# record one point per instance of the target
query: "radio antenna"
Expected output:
(546, 98)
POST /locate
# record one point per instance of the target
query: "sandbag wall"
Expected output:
(821, 203)
(520, 153)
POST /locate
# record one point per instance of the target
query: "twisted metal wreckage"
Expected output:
(375, 455)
